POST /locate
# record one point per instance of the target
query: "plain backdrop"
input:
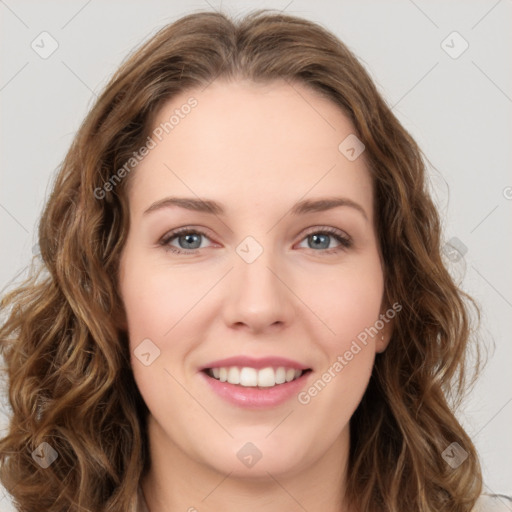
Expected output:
(455, 101)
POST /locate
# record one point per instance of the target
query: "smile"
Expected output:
(251, 377)
(245, 391)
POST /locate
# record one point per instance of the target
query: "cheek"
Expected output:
(351, 301)
(162, 306)
(154, 301)
(157, 342)
(351, 307)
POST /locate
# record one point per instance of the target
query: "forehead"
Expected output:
(243, 141)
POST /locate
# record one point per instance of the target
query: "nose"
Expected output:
(259, 297)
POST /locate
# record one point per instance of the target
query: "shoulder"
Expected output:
(493, 503)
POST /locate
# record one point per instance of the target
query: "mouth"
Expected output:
(263, 378)
(255, 383)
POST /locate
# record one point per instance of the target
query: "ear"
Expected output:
(386, 320)
(382, 341)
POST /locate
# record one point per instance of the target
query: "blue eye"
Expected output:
(189, 240)
(321, 239)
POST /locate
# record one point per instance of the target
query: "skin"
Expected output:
(257, 149)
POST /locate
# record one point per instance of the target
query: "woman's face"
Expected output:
(262, 287)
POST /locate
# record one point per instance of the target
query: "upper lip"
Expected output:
(257, 363)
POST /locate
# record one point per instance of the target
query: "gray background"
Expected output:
(458, 109)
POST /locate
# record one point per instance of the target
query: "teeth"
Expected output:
(290, 374)
(250, 377)
(234, 375)
(266, 378)
(280, 375)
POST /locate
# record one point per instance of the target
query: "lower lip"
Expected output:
(256, 398)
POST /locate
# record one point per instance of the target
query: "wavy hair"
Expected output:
(67, 359)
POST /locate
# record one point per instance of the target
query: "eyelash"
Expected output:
(345, 242)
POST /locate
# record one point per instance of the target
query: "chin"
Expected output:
(256, 458)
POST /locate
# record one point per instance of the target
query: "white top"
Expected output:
(493, 503)
(486, 503)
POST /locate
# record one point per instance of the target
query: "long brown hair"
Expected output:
(67, 358)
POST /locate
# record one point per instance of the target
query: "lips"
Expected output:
(256, 363)
(251, 382)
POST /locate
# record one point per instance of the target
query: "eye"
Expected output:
(320, 239)
(189, 238)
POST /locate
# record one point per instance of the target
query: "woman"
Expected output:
(245, 304)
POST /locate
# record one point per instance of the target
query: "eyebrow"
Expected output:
(215, 208)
